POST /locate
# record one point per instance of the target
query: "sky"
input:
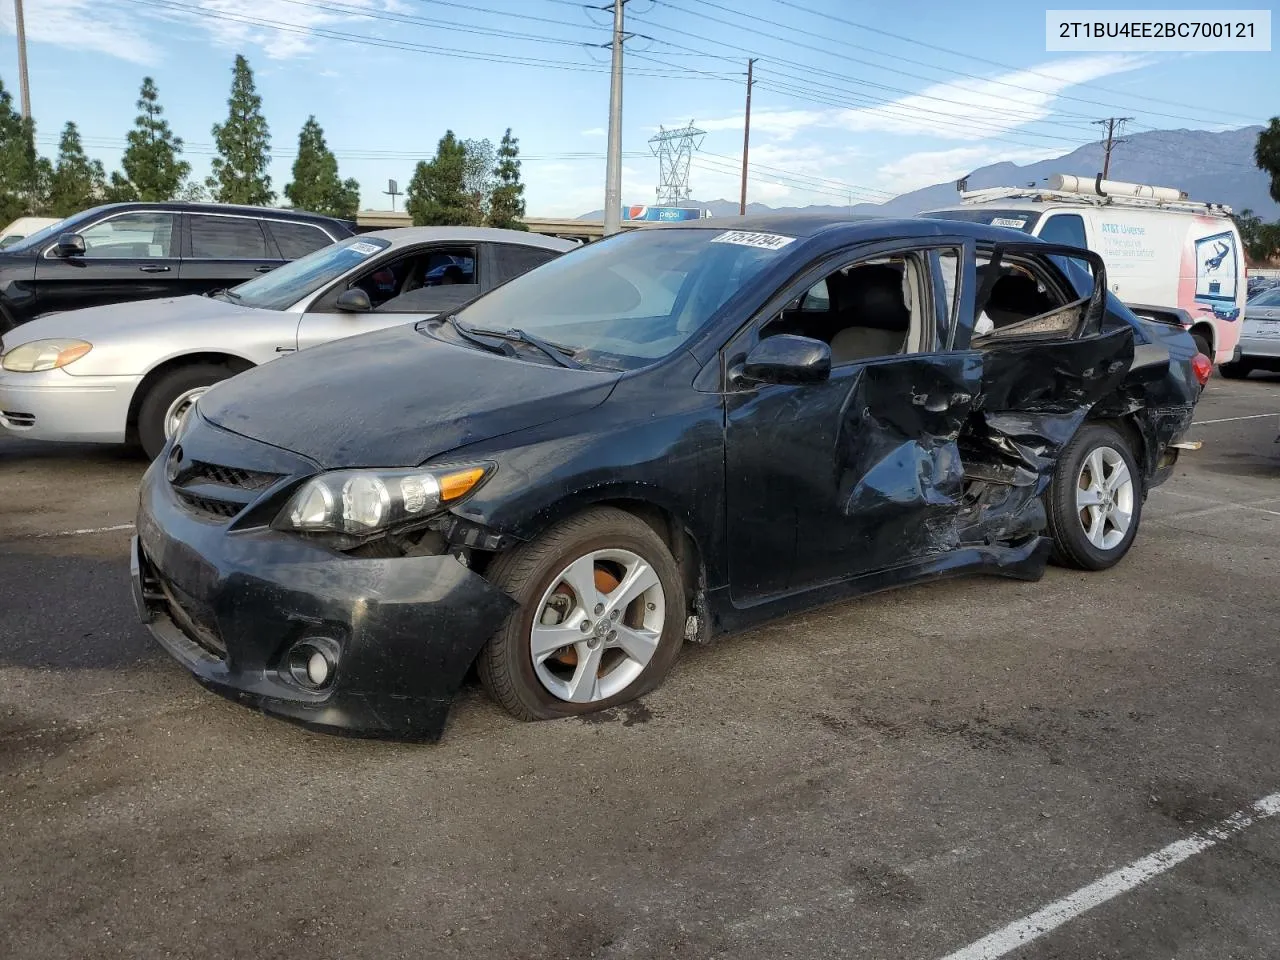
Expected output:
(853, 101)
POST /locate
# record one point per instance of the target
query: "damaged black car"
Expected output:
(672, 434)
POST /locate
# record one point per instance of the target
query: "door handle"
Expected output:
(265, 268)
(153, 268)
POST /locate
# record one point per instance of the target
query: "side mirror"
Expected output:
(354, 300)
(69, 245)
(788, 359)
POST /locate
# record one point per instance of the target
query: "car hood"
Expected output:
(396, 398)
(129, 318)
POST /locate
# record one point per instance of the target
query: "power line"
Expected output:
(987, 60)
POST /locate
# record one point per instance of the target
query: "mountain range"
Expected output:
(1207, 165)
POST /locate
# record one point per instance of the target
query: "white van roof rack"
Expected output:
(1098, 192)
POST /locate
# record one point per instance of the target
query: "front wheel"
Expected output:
(1095, 501)
(169, 399)
(600, 617)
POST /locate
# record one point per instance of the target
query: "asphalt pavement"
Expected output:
(975, 768)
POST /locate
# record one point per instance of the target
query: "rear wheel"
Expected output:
(600, 618)
(1203, 345)
(1236, 370)
(1095, 502)
(169, 399)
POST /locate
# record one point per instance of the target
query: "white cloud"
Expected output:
(594, 132)
(964, 109)
(922, 169)
(236, 23)
(974, 109)
(93, 25)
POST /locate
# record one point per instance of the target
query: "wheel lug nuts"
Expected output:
(613, 615)
(613, 635)
(586, 626)
(599, 609)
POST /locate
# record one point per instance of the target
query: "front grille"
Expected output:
(201, 472)
(194, 619)
(215, 490)
(217, 508)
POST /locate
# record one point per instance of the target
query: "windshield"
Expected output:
(629, 300)
(1024, 220)
(286, 285)
(43, 235)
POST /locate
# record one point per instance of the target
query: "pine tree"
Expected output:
(437, 193)
(152, 162)
(506, 204)
(119, 189)
(315, 185)
(244, 145)
(78, 182)
(24, 176)
(477, 180)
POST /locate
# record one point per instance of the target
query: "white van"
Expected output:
(22, 228)
(1167, 257)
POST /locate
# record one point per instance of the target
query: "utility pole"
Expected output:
(613, 164)
(746, 140)
(22, 59)
(1110, 123)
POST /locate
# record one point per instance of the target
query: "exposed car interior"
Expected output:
(866, 310)
(422, 269)
(1021, 303)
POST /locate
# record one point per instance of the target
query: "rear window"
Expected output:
(1024, 220)
(298, 239)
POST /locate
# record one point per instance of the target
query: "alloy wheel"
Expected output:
(1104, 497)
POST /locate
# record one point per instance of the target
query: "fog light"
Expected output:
(318, 669)
(311, 662)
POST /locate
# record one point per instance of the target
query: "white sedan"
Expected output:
(129, 372)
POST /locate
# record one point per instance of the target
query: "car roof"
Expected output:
(789, 224)
(402, 236)
(183, 206)
(836, 228)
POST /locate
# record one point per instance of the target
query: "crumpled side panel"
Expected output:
(1035, 395)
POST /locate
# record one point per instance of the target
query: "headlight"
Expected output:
(44, 355)
(366, 501)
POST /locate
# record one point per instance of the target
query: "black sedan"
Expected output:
(121, 252)
(668, 435)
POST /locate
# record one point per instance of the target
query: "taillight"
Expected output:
(1202, 366)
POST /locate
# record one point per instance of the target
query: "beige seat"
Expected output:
(872, 320)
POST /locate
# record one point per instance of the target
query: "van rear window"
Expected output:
(1024, 220)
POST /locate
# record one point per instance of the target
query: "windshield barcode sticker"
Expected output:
(1008, 222)
(363, 248)
(764, 241)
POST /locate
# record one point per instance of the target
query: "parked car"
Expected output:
(22, 228)
(1258, 283)
(672, 433)
(139, 251)
(1259, 347)
(129, 372)
(1169, 258)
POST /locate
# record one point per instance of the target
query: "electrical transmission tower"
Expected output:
(674, 150)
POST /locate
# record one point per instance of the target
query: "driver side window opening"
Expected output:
(868, 309)
(445, 267)
(1022, 301)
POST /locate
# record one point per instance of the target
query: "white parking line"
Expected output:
(81, 533)
(1252, 416)
(1021, 932)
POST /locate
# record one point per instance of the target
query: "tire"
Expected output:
(1203, 345)
(1072, 546)
(162, 394)
(533, 575)
(1237, 370)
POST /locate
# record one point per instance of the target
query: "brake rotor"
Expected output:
(606, 582)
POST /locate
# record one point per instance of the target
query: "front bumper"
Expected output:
(229, 603)
(53, 405)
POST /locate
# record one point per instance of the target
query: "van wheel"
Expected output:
(169, 399)
(1236, 371)
(1095, 500)
(1203, 345)
(600, 617)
